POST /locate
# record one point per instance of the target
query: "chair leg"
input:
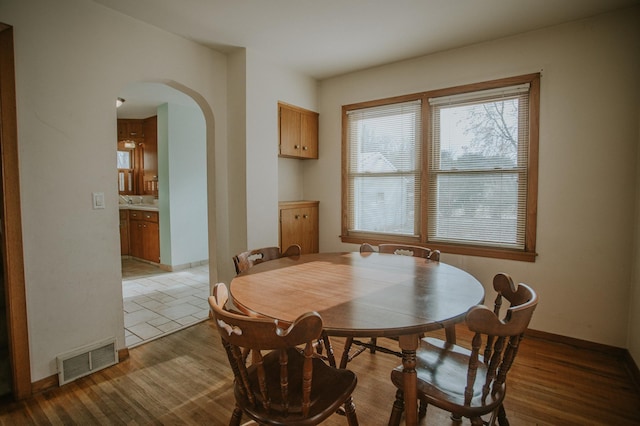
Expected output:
(345, 354)
(327, 344)
(422, 409)
(350, 412)
(374, 343)
(477, 421)
(502, 416)
(397, 409)
(450, 333)
(236, 417)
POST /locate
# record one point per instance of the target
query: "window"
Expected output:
(384, 168)
(125, 172)
(474, 191)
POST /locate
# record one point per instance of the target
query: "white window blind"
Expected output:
(384, 168)
(478, 162)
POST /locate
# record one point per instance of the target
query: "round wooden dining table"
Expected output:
(363, 295)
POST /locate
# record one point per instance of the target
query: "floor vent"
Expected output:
(86, 360)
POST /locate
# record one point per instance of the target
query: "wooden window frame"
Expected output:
(527, 254)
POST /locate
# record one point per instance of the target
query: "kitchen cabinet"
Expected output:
(130, 129)
(124, 232)
(149, 164)
(144, 235)
(299, 225)
(140, 139)
(298, 128)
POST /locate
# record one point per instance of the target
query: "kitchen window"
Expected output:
(452, 169)
(125, 172)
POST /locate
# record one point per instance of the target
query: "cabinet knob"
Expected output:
(304, 148)
(305, 216)
(296, 146)
(297, 216)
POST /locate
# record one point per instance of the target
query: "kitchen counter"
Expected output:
(142, 206)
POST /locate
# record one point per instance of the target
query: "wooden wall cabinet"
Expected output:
(298, 130)
(130, 129)
(150, 157)
(144, 235)
(299, 225)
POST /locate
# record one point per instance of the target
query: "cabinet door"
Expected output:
(130, 129)
(150, 157)
(135, 238)
(124, 233)
(289, 132)
(309, 232)
(309, 135)
(299, 225)
(290, 228)
(151, 242)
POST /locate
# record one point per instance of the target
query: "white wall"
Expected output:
(72, 59)
(588, 159)
(270, 177)
(183, 185)
(237, 104)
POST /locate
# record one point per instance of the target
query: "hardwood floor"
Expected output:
(184, 378)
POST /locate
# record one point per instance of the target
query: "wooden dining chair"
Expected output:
(471, 383)
(409, 250)
(404, 249)
(372, 345)
(284, 384)
(367, 248)
(245, 260)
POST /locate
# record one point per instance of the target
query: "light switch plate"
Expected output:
(98, 200)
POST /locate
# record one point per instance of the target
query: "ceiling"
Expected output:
(327, 38)
(141, 100)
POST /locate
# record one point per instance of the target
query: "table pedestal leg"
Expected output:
(409, 344)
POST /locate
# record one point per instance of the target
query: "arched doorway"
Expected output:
(173, 185)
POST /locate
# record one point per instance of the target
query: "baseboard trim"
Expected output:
(123, 354)
(44, 384)
(176, 268)
(632, 368)
(621, 353)
(578, 343)
(52, 382)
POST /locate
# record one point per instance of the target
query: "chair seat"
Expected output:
(324, 399)
(442, 376)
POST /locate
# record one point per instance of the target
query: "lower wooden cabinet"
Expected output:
(124, 232)
(299, 225)
(144, 235)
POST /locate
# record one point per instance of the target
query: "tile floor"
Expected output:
(157, 302)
